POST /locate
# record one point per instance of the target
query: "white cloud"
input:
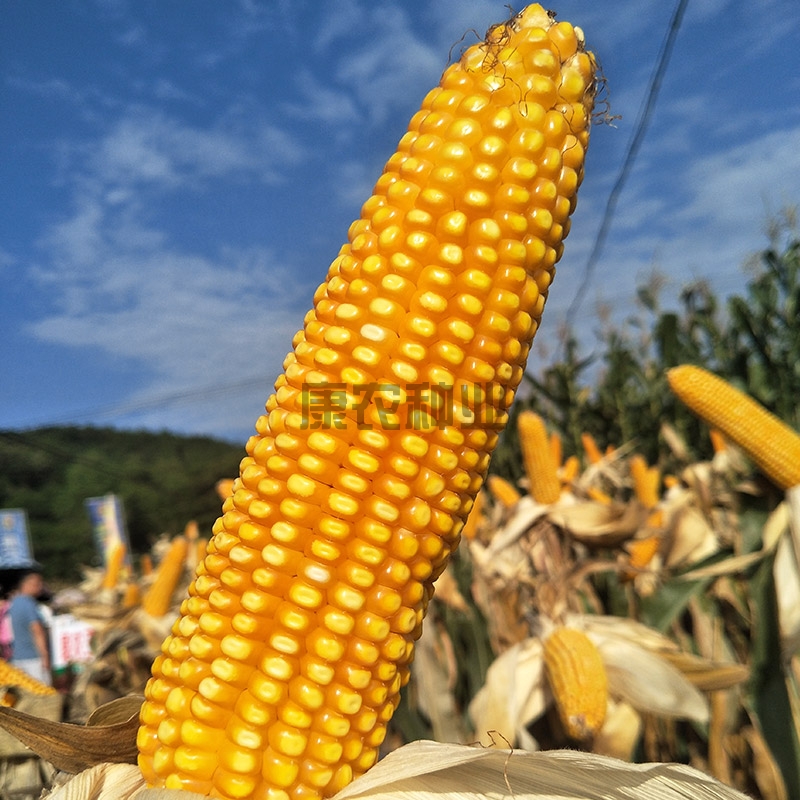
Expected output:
(145, 146)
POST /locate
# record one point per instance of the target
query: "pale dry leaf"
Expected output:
(514, 694)
(708, 675)
(599, 524)
(787, 595)
(526, 512)
(693, 539)
(649, 683)
(620, 732)
(623, 628)
(455, 772)
(101, 782)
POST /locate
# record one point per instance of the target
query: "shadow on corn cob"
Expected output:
(286, 663)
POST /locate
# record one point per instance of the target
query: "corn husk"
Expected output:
(427, 770)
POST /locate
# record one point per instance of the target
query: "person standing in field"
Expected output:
(31, 641)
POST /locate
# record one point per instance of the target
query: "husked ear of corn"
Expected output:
(286, 664)
(116, 558)
(158, 597)
(504, 492)
(13, 676)
(646, 480)
(541, 466)
(771, 443)
(578, 680)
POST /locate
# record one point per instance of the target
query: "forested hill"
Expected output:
(163, 480)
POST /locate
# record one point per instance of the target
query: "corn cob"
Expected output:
(13, 676)
(541, 466)
(646, 480)
(131, 596)
(556, 448)
(773, 445)
(578, 680)
(280, 675)
(569, 471)
(718, 442)
(599, 496)
(474, 518)
(158, 597)
(116, 558)
(146, 565)
(503, 491)
(590, 448)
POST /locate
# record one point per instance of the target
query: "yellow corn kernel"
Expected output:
(578, 680)
(158, 597)
(771, 443)
(13, 676)
(504, 492)
(590, 448)
(116, 558)
(378, 436)
(646, 480)
(537, 456)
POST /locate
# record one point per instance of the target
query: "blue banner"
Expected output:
(15, 541)
(108, 523)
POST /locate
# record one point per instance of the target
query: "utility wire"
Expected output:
(635, 143)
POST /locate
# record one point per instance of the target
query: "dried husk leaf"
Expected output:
(693, 539)
(102, 782)
(600, 524)
(707, 675)
(74, 748)
(438, 771)
(620, 733)
(514, 694)
(625, 629)
(774, 528)
(526, 512)
(766, 772)
(433, 674)
(455, 772)
(649, 683)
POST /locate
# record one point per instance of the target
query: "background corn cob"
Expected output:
(590, 448)
(773, 445)
(646, 480)
(504, 492)
(158, 597)
(13, 676)
(116, 558)
(578, 680)
(538, 457)
(286, 664)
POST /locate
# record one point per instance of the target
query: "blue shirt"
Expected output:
(23, 611)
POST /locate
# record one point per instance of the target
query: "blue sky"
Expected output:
(175, 178)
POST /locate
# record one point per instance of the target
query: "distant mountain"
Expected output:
(164, 481)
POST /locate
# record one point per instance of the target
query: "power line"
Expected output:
(640, 129)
